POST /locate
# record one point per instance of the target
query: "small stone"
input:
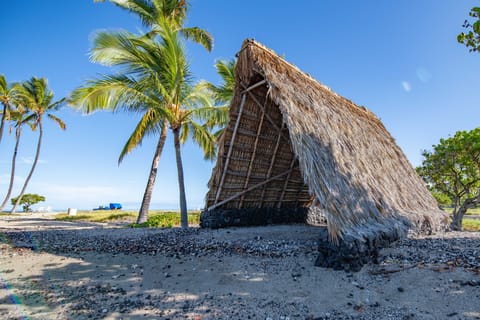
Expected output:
(400, 289)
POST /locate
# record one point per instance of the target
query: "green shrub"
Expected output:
(167, 220)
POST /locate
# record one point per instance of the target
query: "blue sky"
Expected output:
(399, 59)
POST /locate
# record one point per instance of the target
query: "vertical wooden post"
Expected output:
(273, 160)
(252, 158)
(230, 148)
(286, 182)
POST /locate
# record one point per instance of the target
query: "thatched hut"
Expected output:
(295, 148)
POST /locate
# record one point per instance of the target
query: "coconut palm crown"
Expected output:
(155, 81)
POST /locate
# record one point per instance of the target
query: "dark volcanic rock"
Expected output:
(221, 218)
(351, 253)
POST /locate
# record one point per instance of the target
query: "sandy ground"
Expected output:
(88, 285)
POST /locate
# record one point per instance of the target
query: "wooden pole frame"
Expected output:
(273, 161)
(266, 114)
(258, 84)
(292, 164)
(235, 196)
(252, 158)
(227, 161)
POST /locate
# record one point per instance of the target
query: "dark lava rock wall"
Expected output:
(220, 218)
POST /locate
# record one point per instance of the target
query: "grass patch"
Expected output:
(9, 214)
(156, 219)
(167, 219)
(471, 225)
(98, 216)
(474, 211)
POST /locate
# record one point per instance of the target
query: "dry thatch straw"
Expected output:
(292, 142)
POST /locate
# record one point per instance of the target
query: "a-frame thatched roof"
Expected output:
(292, 142)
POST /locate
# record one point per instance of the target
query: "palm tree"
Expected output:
(158, 16)
(156, 83)
(20, 118)
(35, 95)
(6, 99)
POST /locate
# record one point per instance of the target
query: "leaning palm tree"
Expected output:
(35, 95)
(7, 98)
(20, 118)
(156, 83)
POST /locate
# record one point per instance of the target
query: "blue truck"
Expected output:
(111, 206)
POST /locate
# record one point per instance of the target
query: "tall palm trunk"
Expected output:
(147, 196)
(18, 131)
(181, 183)
(39, 144)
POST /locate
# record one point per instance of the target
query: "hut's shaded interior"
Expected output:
(260, 167)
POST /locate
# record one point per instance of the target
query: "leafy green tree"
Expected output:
(35, 95)
(471, 37)
(452, 169)
(19, 117)
(27, 200)
(156, 83)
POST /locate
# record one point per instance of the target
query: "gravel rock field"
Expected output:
(99, 272)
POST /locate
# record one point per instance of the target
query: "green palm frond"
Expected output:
(122, 49)
(198, 96)
(202, 136)
(226, 70)
(112, 92)
(184, 132)
(150, 123)
(30, 118)
(219, 134)
(3, 85)
(59, 121)
(199, 36)
(212, 116)
(142, 8)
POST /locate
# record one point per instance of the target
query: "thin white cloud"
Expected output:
(29, 160)
(406, 86)
(423, 74)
